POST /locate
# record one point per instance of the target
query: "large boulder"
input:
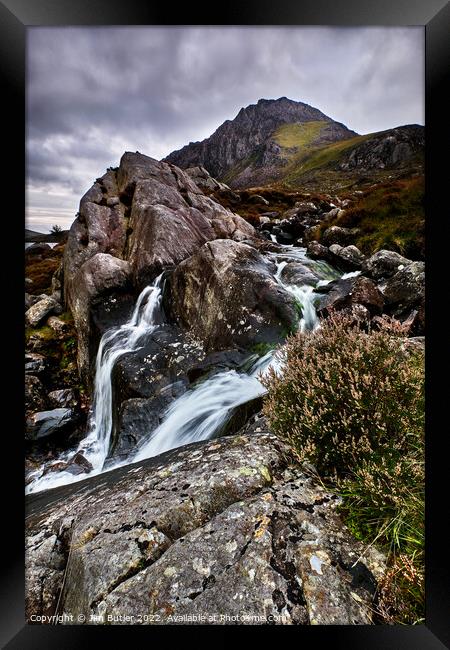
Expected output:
(299, 274)
(170, 217)
(98, 277)
(227, 528)
(384, 264)
(226, 294)
(138, 220)
(97, 228)
(404, 295)
(405, 288)
(347, 293)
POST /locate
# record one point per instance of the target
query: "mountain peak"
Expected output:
(252, 139)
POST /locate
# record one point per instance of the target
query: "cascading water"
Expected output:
(200, 413)
(114, 344)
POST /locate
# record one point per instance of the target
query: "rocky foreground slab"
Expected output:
(225, 531)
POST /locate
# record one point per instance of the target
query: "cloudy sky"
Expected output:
(93, 93)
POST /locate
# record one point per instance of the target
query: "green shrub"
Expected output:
(352, 403)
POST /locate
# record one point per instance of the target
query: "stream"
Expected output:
(200, 413)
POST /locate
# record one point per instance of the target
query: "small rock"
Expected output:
(258, 199)
(338, 235)
(317, 251)
(57, 325)
(40, 310)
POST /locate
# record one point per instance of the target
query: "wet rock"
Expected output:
(384, 264)
(344, 294)
(226, 527)
(138, 418)
(63, 398)
(34, 363)
(164, 358)
(40, 310)
(317, 251)
(284, 237)
(97, 278)
(231, 286)
(217, 361)
(338, 235)
(297, 273)
(46, 423)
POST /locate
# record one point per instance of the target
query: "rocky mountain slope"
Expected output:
(252, 147)
(292, 143)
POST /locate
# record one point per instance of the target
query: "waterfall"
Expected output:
(114, 344)
(201, 412)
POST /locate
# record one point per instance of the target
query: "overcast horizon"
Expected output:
(93, 93)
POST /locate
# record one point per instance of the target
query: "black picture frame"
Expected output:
(15, 17)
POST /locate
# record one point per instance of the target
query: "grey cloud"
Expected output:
(92, 93)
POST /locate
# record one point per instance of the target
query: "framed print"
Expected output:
(227, 396)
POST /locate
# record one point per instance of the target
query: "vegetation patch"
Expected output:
(389, 215)
(352, 403)
(298, 135)
(40, 269)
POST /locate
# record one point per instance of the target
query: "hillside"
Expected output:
(255, 146)
(293, 145)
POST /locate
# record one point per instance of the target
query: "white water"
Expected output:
(199, 413)
(114, 344)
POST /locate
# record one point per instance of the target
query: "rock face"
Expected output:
(98, 277)
(247, 141)
(133, 223)
(226, 527)
(227, 294)
(386, 149)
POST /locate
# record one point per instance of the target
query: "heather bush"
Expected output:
(352, 403)
(346, 395)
